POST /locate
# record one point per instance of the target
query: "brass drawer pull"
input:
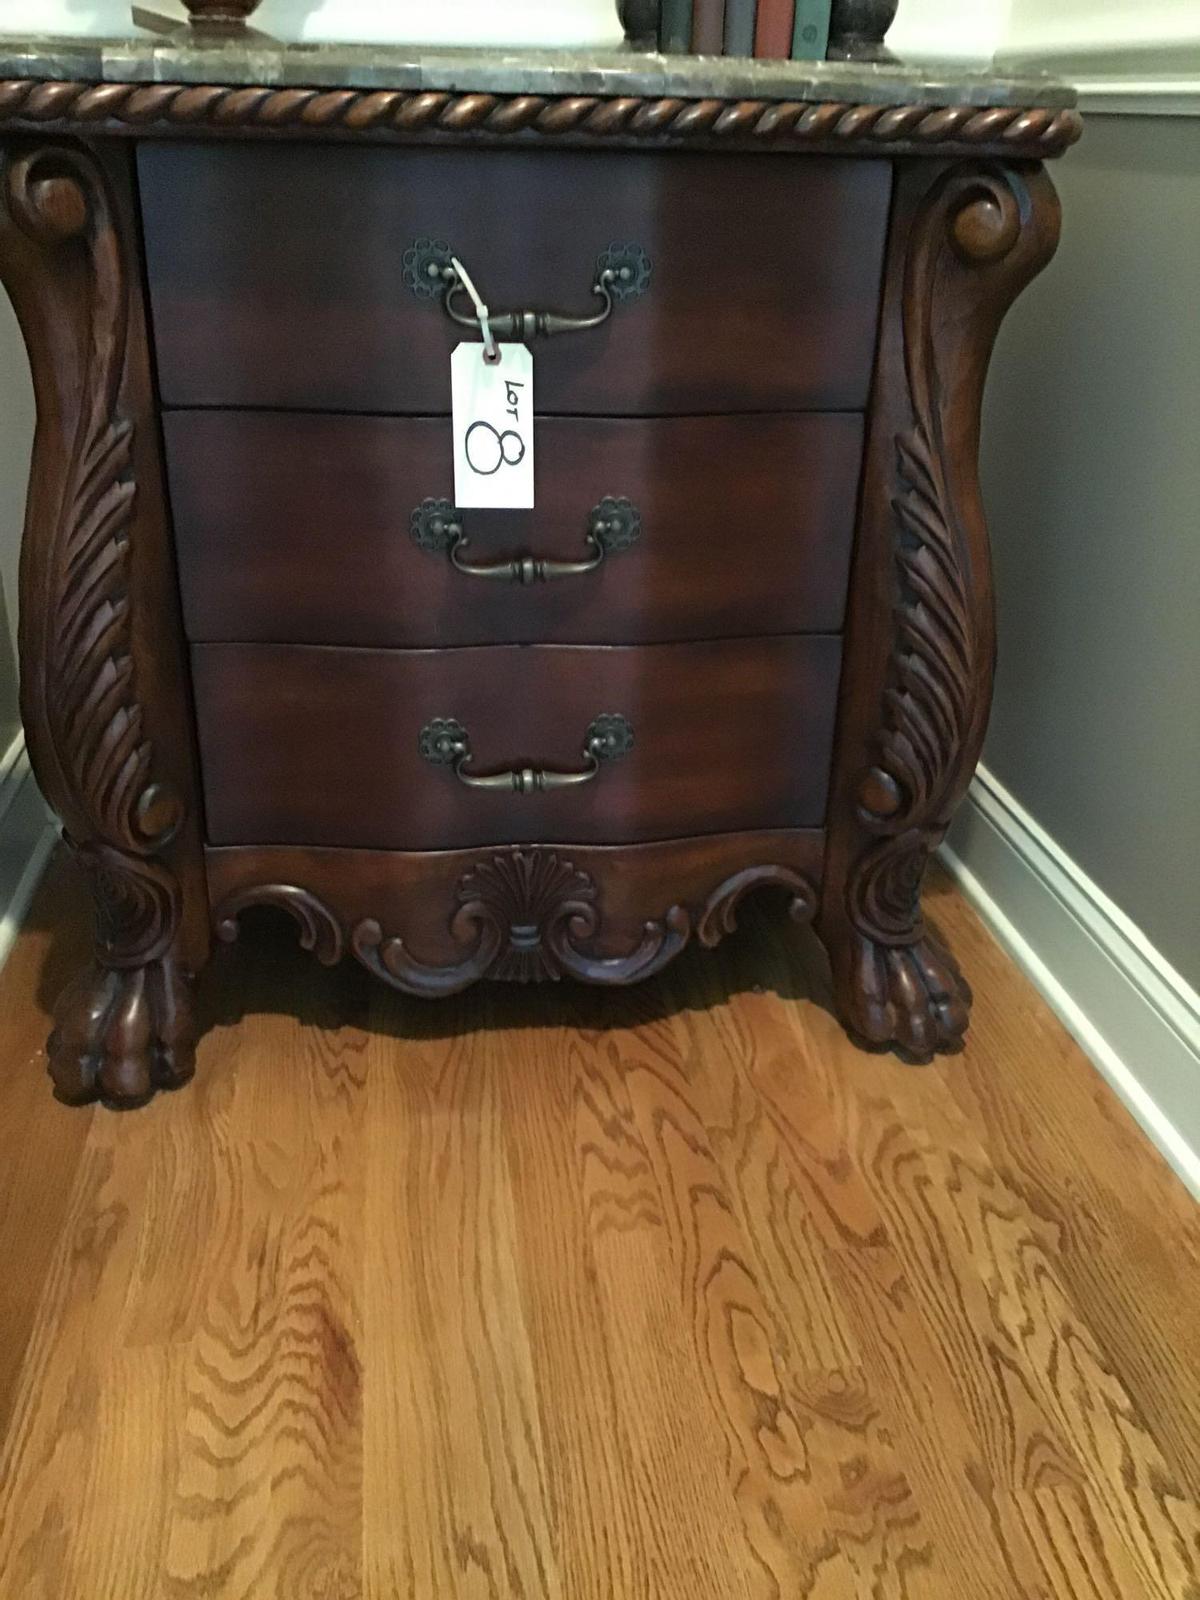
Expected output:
(446, 743)
(614, 525)
(622, 274)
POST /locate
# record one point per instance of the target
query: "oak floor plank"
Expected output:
(636, 1506)
(267, 1488)
(761, 1048)
(991, 1542)
(552, 1293)
(676, 1439)
(75, 1377)
(41, 1142)
(825, 1509)
(457, 1495)
(1128, 1233)
(1016, 1250)
(1035, 1383)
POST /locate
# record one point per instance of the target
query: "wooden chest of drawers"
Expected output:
(744, 639)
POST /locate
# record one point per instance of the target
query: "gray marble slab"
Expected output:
(258, 61)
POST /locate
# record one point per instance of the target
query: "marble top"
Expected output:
(256, 60)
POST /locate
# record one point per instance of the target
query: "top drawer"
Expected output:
(277, 274)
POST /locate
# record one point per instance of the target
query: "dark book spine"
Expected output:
(810, 34)
(773, 30)
(708, 27)
(677, 26)
(739, 27)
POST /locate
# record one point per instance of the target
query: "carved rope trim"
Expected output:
(1041, 131)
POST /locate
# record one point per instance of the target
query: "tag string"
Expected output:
(491, 350)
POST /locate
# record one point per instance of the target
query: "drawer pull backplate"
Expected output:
(622, 274)
(613, 525)
(446, 743)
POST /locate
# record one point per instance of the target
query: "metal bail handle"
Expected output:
(444, 742)
(613, 525)
(432, 271)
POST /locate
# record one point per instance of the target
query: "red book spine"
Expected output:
(773, 30)
(708, 28)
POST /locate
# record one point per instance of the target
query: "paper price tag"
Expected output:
(492, 404)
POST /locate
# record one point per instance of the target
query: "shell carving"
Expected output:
(528, 895)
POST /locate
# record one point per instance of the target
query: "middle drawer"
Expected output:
(304, 745)
(317, 529)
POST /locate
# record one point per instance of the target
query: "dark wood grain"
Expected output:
(316, 746)
(303, 395)
(296, 529)
(103, 688)
(284, 287)
(921, 626)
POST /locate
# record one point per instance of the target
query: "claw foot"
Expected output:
(121, 1034)
(910, 998)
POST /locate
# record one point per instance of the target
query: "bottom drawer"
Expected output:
(322, 746)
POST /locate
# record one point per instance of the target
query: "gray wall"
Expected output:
(1091, 472)
(8, 682)
(16, 437)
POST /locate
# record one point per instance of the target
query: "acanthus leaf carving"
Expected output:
(979, 233)
(930, 702)
(123, 1030)
(935, 700)
(89, 706)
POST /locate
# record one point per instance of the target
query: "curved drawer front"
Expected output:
(277, 277)
(301, 529)
(304, 745)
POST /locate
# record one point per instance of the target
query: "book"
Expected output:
(676, 27)
(773, 29)
(739, 27)
(810, 32)
(708, 27)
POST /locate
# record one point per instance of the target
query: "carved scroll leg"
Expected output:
(122, 1033)
(911, 998)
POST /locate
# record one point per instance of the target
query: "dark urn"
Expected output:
(639, 18)
(857, 29)
(219, 13)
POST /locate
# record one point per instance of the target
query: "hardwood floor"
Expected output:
(545, 1293)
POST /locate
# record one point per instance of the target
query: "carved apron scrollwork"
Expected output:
(521, 916)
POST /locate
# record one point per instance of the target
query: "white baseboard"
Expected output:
(1135, 96)
(1128, 1008)
(27, 835)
